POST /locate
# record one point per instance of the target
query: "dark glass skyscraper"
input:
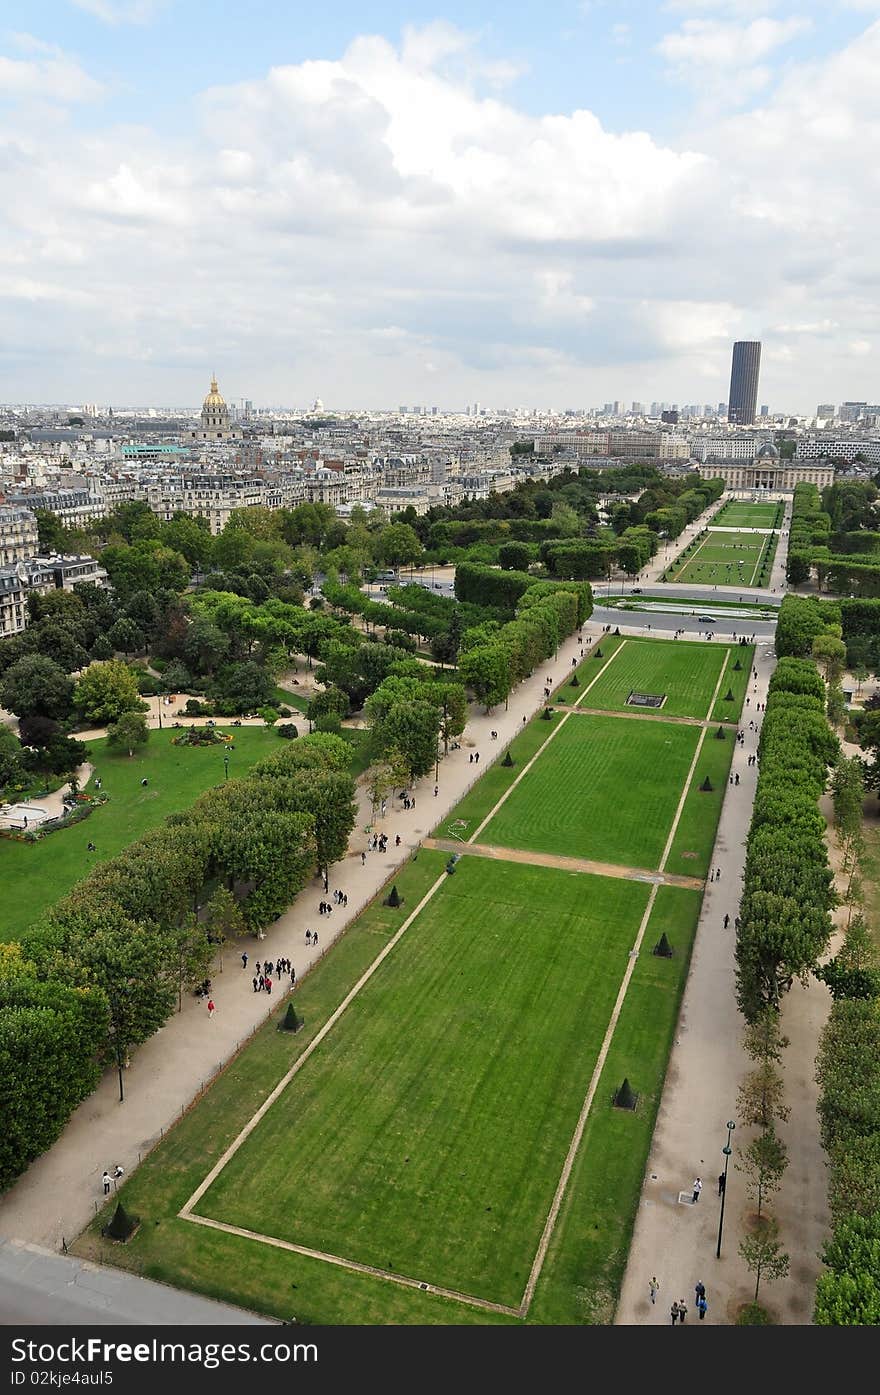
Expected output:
(744, 370)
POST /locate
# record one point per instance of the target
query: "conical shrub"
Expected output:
(393, 898)
(721, 734)
(291, 1021)
(728, 696)
(122, 1226)
(625, 1097)
(707, 787)
(663, 949)
(575, 681)
(508, 760)
(737, 668)
(547, 714)
(598, 654)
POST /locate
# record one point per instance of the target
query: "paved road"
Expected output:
(664, 621)
(38, 1287)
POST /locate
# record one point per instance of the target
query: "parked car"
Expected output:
(706, 619)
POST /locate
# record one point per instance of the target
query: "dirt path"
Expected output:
(564, 864)
(640, 716)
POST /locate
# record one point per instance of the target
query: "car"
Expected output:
(706, 619)
(637, 590)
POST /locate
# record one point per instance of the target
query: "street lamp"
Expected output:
(225, 765)
(726, 1150)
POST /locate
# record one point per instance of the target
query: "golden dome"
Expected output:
(214, 399)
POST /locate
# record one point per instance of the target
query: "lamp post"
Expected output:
(225, 765)
(726, 1150)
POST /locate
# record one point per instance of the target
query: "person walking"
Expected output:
(363, 859)
(682, 1310)
(210, 1007)
(436, 791)
(698, 1187)
(244, 959)
(268, 982)
(726, 921)
(699, 1290)
(256, 985)
(315, 938)
(106, 1180)
(653, 1289)
(702, 1306)
(722, 1183)
(673, 1312)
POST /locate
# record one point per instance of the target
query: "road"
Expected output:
(39, 1288)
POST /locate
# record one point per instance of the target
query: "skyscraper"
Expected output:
(744, 371)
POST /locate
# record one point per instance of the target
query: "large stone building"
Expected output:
(215, 424)
(767, 472)
(18, 534)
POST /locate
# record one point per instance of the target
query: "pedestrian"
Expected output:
(258, 966)
(699, 1290)
(262, 983)
(722, 1183)
(653, 1288)
(308, 939)
(476, 757)
(397, 840)
(726, 921)
(682, 1310)
(268, 989)
(255, 983)
(106, 1180)
(210, 1007)
(363, 859)
(698, 1187)
(471, 758)
(292, 975)
(730, 779)
(384, 806)
(315, 938)
(523, 721)
(412, 802)
(244, 959)
(736, 779)
(144, 782)
(118, 1171)
(702, 1306)
(345, 899)
(712, 875)
(436, 791)
(718, 874)
(673, 1311)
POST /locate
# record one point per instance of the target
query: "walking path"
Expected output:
(564, 864)
(61, 1191)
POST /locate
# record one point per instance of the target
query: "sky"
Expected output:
(550, 205)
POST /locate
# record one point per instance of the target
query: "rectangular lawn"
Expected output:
(427, 1133)
(743, 515)
(605, 788)
(687, 673)
(724, 559)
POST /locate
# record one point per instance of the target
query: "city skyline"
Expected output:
(469, 205)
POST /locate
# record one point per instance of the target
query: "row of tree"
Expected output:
(836, 538)
(495, 659)
(787, 886)
(105, 967)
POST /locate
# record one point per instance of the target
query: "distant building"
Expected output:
(852, 411)
(825, 410)
(768, 473)
(215, 424)
(744, 370)
(18, 535)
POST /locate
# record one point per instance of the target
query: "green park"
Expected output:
(453, 1083)
(739, 513)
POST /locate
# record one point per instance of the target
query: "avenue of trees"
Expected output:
(107, 965)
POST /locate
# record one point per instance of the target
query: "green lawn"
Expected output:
(736, 681)
(736, 514)
(686, 673)
(604, 788)
(35, 875)
(427, 1133)
(691, 851)
(725, 559)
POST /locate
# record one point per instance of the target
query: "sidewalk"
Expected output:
(61, 1191)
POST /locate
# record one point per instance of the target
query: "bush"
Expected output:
(753, 1315)
(284, 712)
(329, 722)
(287, 731)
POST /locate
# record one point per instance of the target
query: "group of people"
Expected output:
(109, 1177)
(474, 758)
(679, 1310)
(311, 937)
(379, 843)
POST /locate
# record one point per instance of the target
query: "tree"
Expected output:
(829, 653)
(380, 781)
(222, 917)
(763, 1253)
(485, 670)
(269, 715)
(128, 731)
(848, 1295)
(105, 691)
(412, 728)
(189, 955)
(36, 686)
(760, 1098)
(244, 687)
(11, 756)
(565, 520)
(50, 1035)
(398, 545)
(763, 1162)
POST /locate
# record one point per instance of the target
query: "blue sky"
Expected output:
(549, 204)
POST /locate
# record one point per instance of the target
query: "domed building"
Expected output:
(215, 423)
(767, 453)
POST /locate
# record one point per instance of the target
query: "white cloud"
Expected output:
(116, 12)
(715, 44)
(348, 228)
(53, 77)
